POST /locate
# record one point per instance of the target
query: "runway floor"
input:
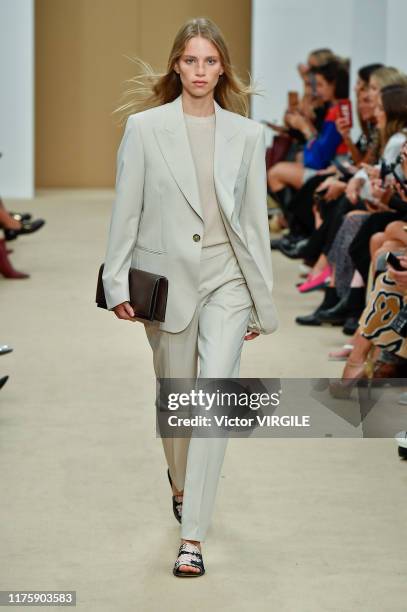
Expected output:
(300, 525)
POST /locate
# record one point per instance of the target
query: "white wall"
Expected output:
(283, 33)
(396, 39)
(17, 98)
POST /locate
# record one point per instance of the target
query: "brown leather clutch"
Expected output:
(148, 294)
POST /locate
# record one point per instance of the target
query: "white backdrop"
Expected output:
(17, 98)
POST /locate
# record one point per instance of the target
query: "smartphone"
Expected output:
(293, 100)
(345, 111)
(313, 83)
(277, 128)
(394, 262)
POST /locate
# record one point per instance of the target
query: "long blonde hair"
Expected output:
(152, 89)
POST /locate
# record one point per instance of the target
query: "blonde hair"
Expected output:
(152, 89)
(387, 75)
(322, 56)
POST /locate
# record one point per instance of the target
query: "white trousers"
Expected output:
(215, 335)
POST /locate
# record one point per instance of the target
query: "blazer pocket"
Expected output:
(148, 250)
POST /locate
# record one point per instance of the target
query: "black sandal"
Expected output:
(189, 554)
(176, 505)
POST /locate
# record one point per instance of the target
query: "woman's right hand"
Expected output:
(124, 311)
(353, 189)
(343, 128)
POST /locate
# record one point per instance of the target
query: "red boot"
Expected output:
(6, 268)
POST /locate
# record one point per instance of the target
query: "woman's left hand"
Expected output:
(251, 335)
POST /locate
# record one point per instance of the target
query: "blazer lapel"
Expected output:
(229, 146)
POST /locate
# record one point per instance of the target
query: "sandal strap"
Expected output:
(185, 549)
(177, 506)
(188, 556)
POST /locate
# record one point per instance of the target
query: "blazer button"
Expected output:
(196, 237)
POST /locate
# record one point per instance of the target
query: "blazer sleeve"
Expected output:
(125, 217)
(254, 218)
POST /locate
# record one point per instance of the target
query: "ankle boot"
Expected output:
(350, 306)
(330, 299)
(278, 196)
(6, 268)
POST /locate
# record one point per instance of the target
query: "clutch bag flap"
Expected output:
(148, 294)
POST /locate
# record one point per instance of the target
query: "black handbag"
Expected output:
(148, 294)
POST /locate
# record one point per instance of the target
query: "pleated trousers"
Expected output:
(211, 344)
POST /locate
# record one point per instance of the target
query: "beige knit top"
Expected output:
(201, 134)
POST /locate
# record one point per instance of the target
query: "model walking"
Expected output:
(191, 204)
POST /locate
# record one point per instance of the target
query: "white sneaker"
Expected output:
(401, 439)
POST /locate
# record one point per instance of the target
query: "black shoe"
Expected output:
(351, 325)
(4, 349)
(27, 227)
(20, 216)
(275, 244)
(350, 306)
(289, 240)
(337, 314)
(176, 505)
(296, 251)
(311, 319)
(330, 298)
(3, 381)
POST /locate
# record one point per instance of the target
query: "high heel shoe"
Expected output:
(342, 389)
(6, 268)
(4, 349)
(20, 216)
(27, 227)
(176, 504)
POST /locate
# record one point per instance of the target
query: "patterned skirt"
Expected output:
(384, 303)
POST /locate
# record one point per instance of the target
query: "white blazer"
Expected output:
(157, 221)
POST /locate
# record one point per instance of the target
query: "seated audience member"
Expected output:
(312, 107)
(288, 144)
(391, 114)
(387, 299)
(301, 213)
(14, 225)
(360, 151)
(332, 83)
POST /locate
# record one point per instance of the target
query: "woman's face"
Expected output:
(325, 90)
(374, 91)
(199, 67)
(359, 86)
(366, 108)
(380, 114)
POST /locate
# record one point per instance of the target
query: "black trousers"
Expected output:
(359, 247)
(332, 214)
(299, 213)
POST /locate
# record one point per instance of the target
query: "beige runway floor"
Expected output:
(300, 525)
